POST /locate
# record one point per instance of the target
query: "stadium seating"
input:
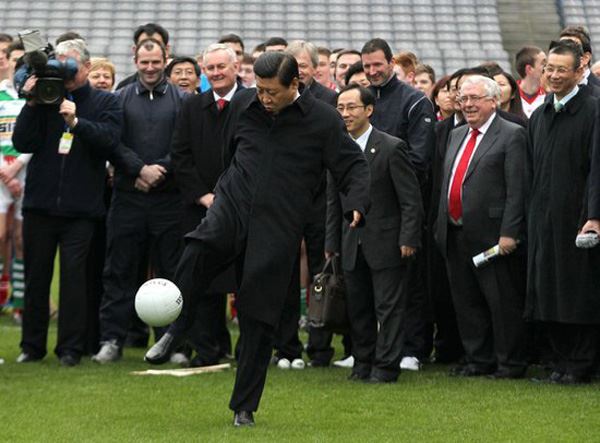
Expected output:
(583, 12)
(447, 34)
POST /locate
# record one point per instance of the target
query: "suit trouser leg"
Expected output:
(505, 297)
(472, 312)
(361, 314)
(127, 243)
(390, 293)
(40, 240)
(287, 343)
(75, 239)
(255, 345)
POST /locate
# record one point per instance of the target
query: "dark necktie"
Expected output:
(221, 103)
(455, 199)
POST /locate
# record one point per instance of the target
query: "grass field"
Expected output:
(44, 402)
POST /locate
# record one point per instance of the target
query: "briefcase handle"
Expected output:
(331, 262)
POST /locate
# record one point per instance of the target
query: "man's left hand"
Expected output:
(591, 225)
(356, 218)
(407, 251)
(67, 110)
(507, 245)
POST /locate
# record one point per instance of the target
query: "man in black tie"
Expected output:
(374, 258)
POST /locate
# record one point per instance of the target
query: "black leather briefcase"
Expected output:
(327, 303)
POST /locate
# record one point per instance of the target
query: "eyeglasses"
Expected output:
(472, 98)
(559, 70)
(349, 108)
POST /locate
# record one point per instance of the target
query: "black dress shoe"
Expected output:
(69, 360)
(355, 376)
(374, 380)
(199, 362)
(318, 364)
(507, 374)
(553, 378)
(161, 351)
(456, 371)
(470, 371)
(243, 418)
(571, 379)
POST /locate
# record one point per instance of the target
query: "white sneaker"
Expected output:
(1, 361)
(347, 363)
(298, 363)
(410, 364)
(283, 363)
(179, 358)
(109, 352)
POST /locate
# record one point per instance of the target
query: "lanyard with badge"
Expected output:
(66, 141)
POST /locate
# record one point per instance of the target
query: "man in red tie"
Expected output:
(483, 185)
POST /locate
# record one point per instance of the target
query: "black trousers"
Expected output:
(287, 343)
(198, 267)
(136, 223)
(489, 303)
(376, 301)
(575, 347)
(42, 235)
(209, 335)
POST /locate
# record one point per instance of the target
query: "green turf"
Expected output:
(45, 402)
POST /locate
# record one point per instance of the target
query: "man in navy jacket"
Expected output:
(63, 196)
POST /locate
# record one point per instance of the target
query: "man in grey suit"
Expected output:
(482, 205)
(374, 259)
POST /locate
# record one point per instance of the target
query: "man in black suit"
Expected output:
(375, 257)
(199, 159)
(282, 142)
(288, 344)
(481, 205)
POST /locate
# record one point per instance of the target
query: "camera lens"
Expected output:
(49, 91)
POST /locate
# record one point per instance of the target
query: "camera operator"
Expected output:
(70, 143)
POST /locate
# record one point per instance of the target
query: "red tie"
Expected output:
(221, 103)
(455, 199)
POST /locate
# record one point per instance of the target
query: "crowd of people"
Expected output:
(237, 174)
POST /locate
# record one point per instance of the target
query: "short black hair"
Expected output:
(567, 47)
(70, 35)
(525, 56)
(356, 68)
(148, 44)
(366, 97)
(149, 29)
(377, 44)
(232, 38)
(5, 38)
(178, 60)
(580, 33)
(277, 64)
(276, 41)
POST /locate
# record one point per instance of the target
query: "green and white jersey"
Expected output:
(10, 107)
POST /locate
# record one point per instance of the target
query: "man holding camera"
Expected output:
(70, 142)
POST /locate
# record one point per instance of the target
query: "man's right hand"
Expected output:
(153, 174)
(28, 88)
(206, 200)
(142, 185)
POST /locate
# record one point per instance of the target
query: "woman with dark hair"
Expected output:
(443, 103)
(510, 100)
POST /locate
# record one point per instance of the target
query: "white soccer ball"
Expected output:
(158, 302)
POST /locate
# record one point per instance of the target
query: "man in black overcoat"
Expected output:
(199, 159)
(282, 141)
(563, 289)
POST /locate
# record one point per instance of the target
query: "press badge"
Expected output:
(66, 142)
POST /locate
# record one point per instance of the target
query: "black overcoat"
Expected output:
(563, 281)
(266, 194)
